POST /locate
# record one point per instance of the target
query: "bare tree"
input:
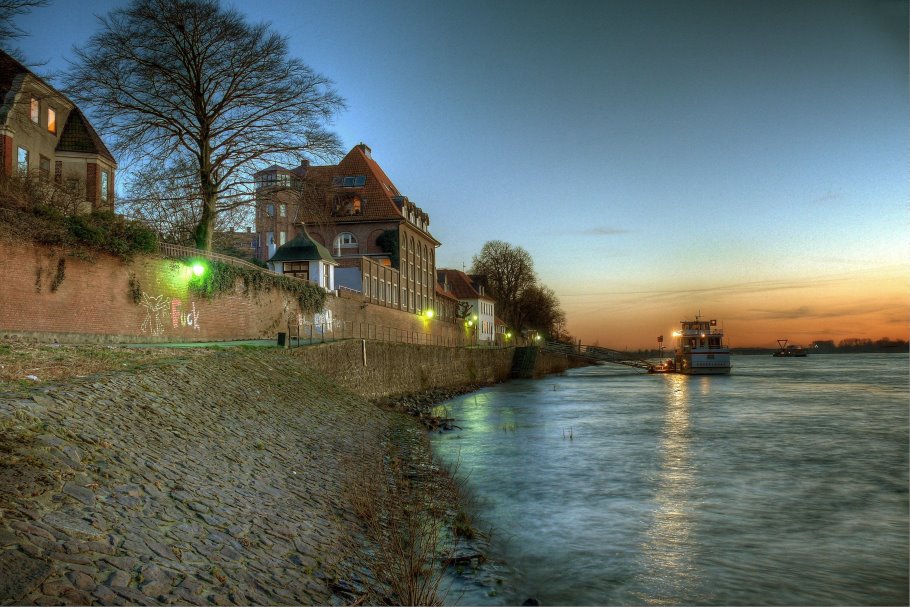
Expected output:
(542, 311)
(508, 272)
(9, 31)
(188, 77)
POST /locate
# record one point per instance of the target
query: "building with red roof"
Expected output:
(380, 239)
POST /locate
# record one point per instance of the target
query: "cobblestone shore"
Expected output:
(219, 480)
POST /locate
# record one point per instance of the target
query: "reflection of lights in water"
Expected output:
(669, 572)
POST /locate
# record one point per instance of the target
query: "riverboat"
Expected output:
(790, 351)
(700, 348)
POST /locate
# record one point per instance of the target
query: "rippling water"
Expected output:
(784, 483)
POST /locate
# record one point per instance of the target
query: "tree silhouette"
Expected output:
(169, 79)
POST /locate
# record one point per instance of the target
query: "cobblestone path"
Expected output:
(211, 481)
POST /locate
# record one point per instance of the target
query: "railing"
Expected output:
(596, 353)
(310, 333)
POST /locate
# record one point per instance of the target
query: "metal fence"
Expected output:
(179, 252)
(309, 333)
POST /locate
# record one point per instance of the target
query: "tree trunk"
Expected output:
(206, 227)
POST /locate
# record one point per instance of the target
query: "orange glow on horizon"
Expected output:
(871, 304)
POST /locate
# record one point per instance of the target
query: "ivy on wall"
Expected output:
(388, 242)
(220, 278)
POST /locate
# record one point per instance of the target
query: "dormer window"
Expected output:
(350, 181)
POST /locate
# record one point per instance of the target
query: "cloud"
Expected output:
(605, 231)
(827, 198)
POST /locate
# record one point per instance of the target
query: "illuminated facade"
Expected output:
(43, 135)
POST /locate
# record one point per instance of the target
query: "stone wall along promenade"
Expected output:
(211, 481)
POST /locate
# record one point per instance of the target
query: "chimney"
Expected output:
(365, 149)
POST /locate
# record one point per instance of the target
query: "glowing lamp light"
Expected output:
(429, 313)
(198, 269)
(676, 333)
(470, 323)
(475, 317)
(537, 338)
(509, 335)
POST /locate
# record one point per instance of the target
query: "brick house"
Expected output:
(43, 134)
(380, 239)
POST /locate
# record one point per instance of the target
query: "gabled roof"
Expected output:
(442, 292)
(460, 284)
(77, 135)
(302, 248)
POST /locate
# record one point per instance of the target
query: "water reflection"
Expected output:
(667, 555)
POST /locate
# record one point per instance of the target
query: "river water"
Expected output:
(785, 483)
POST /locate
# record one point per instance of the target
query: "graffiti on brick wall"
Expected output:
(155, 308)
(322, 321)
(156, 314)
(184, 318)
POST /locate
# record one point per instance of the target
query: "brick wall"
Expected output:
(91, 183)
(51, 294)
(6, 155)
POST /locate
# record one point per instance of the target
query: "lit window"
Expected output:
(51, 120)
(23, 160)
(34, 110)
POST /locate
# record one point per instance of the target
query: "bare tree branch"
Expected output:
(178, 79)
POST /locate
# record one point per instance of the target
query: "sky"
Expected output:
(745, 160)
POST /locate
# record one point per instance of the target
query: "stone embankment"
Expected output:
(213, 480)
(217, 481)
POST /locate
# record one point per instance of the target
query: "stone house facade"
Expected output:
(45, 136)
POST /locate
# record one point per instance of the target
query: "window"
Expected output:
(282, 210)
(350, 181)
(23, 160)
(345, 240)
(282, 237)
(51, 120)
(34, 110)
(44, 165)
(105, 182)
(325, 275)
(270, 238)
(270, 210)
(300, 269)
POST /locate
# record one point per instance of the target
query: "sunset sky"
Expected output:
(745, 159)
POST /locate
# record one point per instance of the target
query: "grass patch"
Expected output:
(56, 362)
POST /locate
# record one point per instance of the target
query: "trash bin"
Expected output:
(282, 340)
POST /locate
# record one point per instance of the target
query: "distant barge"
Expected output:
(791, 351)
